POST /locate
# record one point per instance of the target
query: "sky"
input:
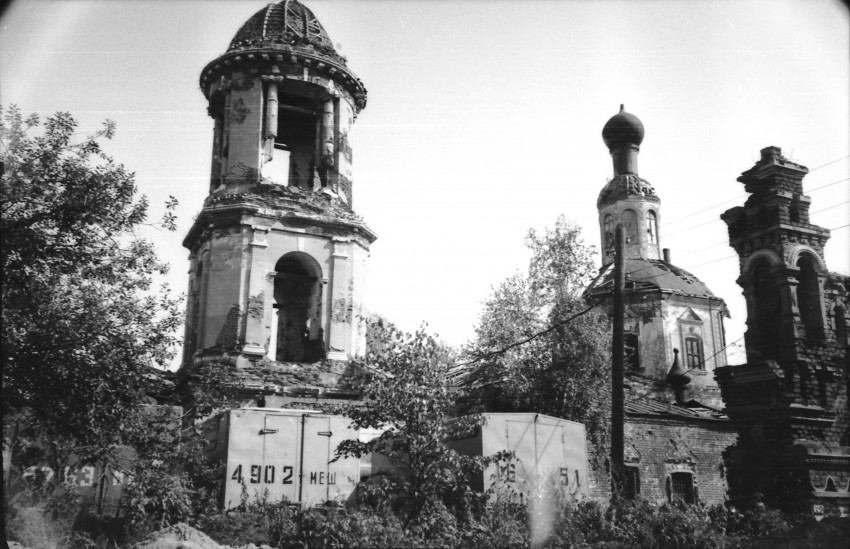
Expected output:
(483, 120)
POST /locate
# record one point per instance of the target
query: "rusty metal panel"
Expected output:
(284, 455)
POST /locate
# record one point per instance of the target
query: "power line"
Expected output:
(715, 220)
(739, 197)
(533, 336)
(686, 269)
(829, 184)
(828, 163)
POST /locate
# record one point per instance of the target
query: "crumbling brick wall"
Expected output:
(659, 447)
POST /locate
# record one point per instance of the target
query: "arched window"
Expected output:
(652, 227)
(632, 482)
(768, 308)
(693, 353)
(630, 226)
(631, 351)
(808, 299)
(298, 304)
(840, 326)
(608, 233)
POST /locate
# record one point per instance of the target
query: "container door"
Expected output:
(550, 452)
(242, 449)
(315, 474)
(519, 436)
(278, 471)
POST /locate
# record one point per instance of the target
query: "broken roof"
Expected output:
(651, 274)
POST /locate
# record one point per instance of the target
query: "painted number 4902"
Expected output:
(257, 474)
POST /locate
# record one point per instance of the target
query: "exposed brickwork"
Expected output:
(229, 334)
(659, 447)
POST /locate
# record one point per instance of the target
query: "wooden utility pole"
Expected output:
(618, 476)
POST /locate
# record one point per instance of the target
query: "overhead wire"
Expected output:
(532, 337)
(717, 219)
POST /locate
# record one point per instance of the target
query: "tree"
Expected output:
(84, 325)
(562, 367)
(410, 399)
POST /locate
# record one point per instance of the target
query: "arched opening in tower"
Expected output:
(808, 299)
(298, 304)
(768, 307)
(840, 325)
(630, 226)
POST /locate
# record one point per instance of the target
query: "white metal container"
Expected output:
(275, 454)
(547, 450)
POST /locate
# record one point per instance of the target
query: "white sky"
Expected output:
(484, 119)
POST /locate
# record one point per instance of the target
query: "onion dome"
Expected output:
(623, 128)
(284, 25)
(677, 375)
(678, 378)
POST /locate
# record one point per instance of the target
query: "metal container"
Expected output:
(282, 455)
(547, 450)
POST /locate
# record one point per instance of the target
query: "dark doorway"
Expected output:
(298, 304)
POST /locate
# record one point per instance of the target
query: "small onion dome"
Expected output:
(678, 378)
(622, 128)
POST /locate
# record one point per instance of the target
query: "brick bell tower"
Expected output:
(789, 402)
(278, 256)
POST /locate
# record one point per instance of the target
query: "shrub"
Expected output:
(359, 527)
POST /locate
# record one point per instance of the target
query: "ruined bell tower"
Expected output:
(278, 256)
(789, 402)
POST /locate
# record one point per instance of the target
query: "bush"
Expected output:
(35, 528)
(359, 527)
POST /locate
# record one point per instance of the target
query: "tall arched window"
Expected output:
(298, 304)
(768, 308)
(808, 299)
(608, 232)
(630, 226)
(652, 227)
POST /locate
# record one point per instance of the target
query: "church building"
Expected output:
(674, 336)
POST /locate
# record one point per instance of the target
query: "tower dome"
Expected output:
(623, 128)
(284, 25)
(284, 34)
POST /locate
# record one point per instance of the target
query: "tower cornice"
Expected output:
(229, 215)
(260, 62)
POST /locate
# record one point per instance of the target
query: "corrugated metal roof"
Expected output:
(690, 410)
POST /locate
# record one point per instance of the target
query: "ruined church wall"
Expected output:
(659, 447)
